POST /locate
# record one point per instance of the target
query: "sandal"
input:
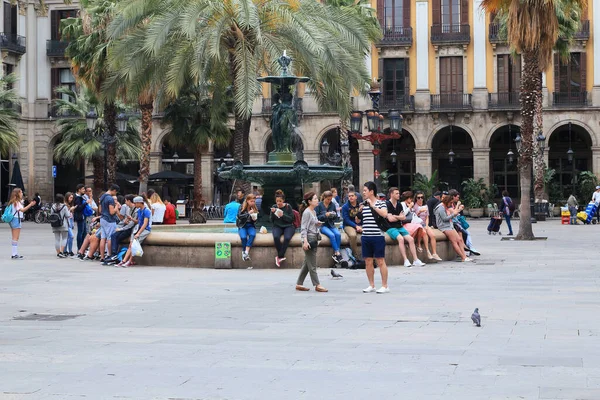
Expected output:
(302, 288)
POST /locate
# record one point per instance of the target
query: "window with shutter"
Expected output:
(395, 81)
(451, 80)
(56, 16)
(451, 15)
(509, 73)
(570, 76)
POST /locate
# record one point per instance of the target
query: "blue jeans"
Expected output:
(247, 234)
(69, 246)
(81, 231)
(334, 236)
(507, 217)
(116, 239)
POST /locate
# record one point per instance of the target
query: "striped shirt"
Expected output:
(369, 226)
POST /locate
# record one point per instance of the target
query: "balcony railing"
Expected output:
(397, 35)
(13, 43)
(495, 36)
(573, 99)
(56, 48)
(584, 32)
(503, 101)
(451, 102)
(450, 34)
(403, 103)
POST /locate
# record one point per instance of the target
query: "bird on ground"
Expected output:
(335, 274)
(476, 318)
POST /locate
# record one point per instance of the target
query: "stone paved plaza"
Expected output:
(179, 333)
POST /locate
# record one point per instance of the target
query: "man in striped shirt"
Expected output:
(372, 240)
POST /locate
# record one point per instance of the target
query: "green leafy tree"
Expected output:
(424, 184)
(245, 37)
(196, 118)
(9, 137)
(533, 28)
(77, 144)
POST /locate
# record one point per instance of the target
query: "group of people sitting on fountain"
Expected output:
(411, 220)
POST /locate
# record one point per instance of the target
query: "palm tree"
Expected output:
(246, 37)
(88, 50)
(532, 30)
(196, 118)
(9, 137)
(78, 144)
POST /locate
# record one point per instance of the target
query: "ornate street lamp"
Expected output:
(122, 122)
(91, 119)
(175, 158)
(510, 154)
(570, 152)
(325, 147)
(451, 153)
(395, 121)
(356, 122)
(541, 142)
(345, 145)
(518, 142)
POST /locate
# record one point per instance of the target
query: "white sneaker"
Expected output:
(370, 289)
(467, 259)
(418, 263)
(407, 264)
(382, 290)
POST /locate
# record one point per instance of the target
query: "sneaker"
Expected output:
(123, 264)
(282, 259)
(418, 263)
(243, 256)
(370, 289)
(475, 252)
(407, 264)
(382, 290)
(467, 260)
(86, 258)
(61, 255)
(76, 256)
(436, 257)
(102, 260)
(335, 258)
(80, 256)
(277, 262)
(71, 254)
(16, 257)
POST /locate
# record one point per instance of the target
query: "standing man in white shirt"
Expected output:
(596, 200)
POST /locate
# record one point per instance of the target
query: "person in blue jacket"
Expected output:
(349, 212)
(231, 210)
(327, 214)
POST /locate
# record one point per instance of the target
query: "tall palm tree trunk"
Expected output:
(241, 134)
(538, 157)
(345, 158)
(98, 166)
(110, 118)
(146, 145)
(198, 216)
(530, 85)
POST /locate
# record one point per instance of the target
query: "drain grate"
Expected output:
(46, 317)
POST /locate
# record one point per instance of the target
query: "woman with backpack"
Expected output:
(245, 222)
(13, 214)
(508, 207)
(282, 217)
(59, 221)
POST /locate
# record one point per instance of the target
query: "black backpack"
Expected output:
(55, 218)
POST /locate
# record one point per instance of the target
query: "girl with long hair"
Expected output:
(422, 211)
(158, 209)
(309, 233)
(327, 214)
(60, 232)
(69, 202)
(16, 201)
(245, 221)
(444, 214)
(282, 217)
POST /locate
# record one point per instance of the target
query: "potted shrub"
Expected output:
(474, 196)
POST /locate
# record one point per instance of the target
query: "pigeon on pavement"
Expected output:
(476, 318)
(335, 274)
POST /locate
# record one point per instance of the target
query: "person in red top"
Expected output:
(170, 216)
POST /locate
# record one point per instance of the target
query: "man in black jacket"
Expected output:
(432, 202)
(78, 214)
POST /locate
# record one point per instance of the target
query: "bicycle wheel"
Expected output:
(39, 217)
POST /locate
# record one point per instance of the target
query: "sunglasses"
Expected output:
(419, 197)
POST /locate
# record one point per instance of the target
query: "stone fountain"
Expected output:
(283, 171)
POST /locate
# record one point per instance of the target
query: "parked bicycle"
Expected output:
(41, 215)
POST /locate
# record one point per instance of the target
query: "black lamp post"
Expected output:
(375, 127)
(540, 142)
(91, 120)
(570, 152)
(451, 154)
(333, 159)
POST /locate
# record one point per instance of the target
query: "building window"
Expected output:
(55, 17)
(571, 75)
(393, 14)
(62, 77)
(451, 12)
(509, 73)
(10, 19)
(395, 80)
(451, 75)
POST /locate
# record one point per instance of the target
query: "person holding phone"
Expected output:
(327, 214)
(309, 234)
(282, 217)
(246, 220)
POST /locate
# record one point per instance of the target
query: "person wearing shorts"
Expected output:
(140, 232)
(108, 219)
(372, 240)
(396, 218)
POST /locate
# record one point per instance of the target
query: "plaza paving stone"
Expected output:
(179, 333)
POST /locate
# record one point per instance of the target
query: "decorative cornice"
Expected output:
(22, 6)
(41, 9)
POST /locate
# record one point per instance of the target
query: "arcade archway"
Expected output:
(401, 168)
(452, 173)
(504, 172)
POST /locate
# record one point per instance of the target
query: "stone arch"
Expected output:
(554, 128)
(316, 146)
(414, 136)
(494, 128)
(442, 126)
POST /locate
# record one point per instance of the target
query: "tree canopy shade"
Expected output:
(9, 99)
(244, 38)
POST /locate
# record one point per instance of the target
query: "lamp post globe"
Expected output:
(325, 147)
(518, 142)
(91, 119)
(356, 122)
(122, 122)
(395, 121)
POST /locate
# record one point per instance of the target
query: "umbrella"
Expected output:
(17, 178)
(120, 177)
(169, 175)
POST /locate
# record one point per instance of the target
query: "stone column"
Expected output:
(595, 155)
(367, 168)
(207, 176)
(155, 162)
(481, 164)
(596, 39)
(31, 56)
(422, 98)
(480, 92)
(545, 94)
(423, 163)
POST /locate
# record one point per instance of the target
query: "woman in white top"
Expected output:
(158, 209)
(16, 202)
